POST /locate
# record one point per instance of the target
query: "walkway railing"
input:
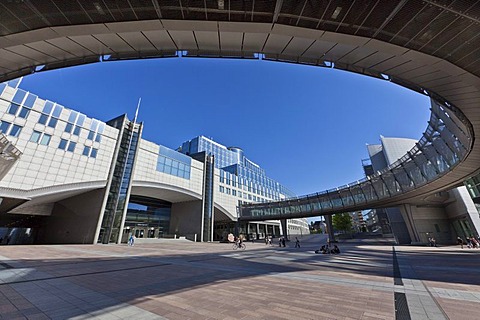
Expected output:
(446, 143)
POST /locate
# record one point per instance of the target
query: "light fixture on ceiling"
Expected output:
(221, 4)
(99, 8)
(336, 12)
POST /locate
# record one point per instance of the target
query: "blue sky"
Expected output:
(306, 126)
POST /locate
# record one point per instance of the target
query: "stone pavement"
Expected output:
(178, 280)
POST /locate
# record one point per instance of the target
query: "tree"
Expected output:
(342, 221)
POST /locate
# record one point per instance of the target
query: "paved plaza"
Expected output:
(185, 280)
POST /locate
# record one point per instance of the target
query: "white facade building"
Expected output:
(81, 180)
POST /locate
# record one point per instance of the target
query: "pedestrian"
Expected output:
(131, 240)
(460, 242)
(297, 243)
(283, 241)
(266, 240)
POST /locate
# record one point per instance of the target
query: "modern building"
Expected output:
(444, 215)
(76, 179)
(243, 180)
(358, 222)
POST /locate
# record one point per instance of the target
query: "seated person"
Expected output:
(335, 250)
(321, 250)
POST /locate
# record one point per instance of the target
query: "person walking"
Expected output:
(131, 240)
(460, 242)
(297, 243)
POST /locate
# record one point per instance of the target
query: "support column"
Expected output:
(328, 222)
(283, 223)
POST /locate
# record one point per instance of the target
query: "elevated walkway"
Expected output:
(446, 143)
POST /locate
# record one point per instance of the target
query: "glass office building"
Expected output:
(238, 171)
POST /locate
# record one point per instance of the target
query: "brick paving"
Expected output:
(182, 280)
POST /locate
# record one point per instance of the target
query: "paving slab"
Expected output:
(186, 280)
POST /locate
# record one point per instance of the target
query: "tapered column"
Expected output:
(283, 223)
(328, 222)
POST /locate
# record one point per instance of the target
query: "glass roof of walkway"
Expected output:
(445, 143)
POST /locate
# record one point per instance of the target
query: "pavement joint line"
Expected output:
(82, 274)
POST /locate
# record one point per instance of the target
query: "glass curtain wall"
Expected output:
(122, 175)
(208, 198)
(147, 218)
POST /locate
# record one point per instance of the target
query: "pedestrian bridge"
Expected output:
(445, 144)
(427, 46)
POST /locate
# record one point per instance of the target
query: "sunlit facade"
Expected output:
(244, 181)
(77, 179)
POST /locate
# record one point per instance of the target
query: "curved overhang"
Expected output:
(173, 194)
(163, 191)
(51, 194)
(423, 45)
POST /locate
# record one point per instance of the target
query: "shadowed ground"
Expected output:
(184, 280)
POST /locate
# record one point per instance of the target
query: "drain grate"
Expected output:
(401, 307)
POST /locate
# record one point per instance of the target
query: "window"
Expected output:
(4, 126)
(43, 119)
(234, 192)
(222, 189)
(45, 139)
(94, 153)
(86, 151)
(71, 146)
(90, 135)
(98, 137)
(63, 144)
(77, 130)
(15, 130)
(24, 112)
(53, 122)
(13, 108)
(69, 127)
(35, 136)
(30, 101)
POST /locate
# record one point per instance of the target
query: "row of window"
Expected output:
(173, 167)
(172, 162)
(71, 145)
(250, 187)
(44, 139)
(20, 98)
(10, 129)
(241, 194)
(22, 103)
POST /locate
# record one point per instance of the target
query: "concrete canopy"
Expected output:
(428, 46)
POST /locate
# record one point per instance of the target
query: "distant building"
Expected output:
(244, 181)
(358, 222)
